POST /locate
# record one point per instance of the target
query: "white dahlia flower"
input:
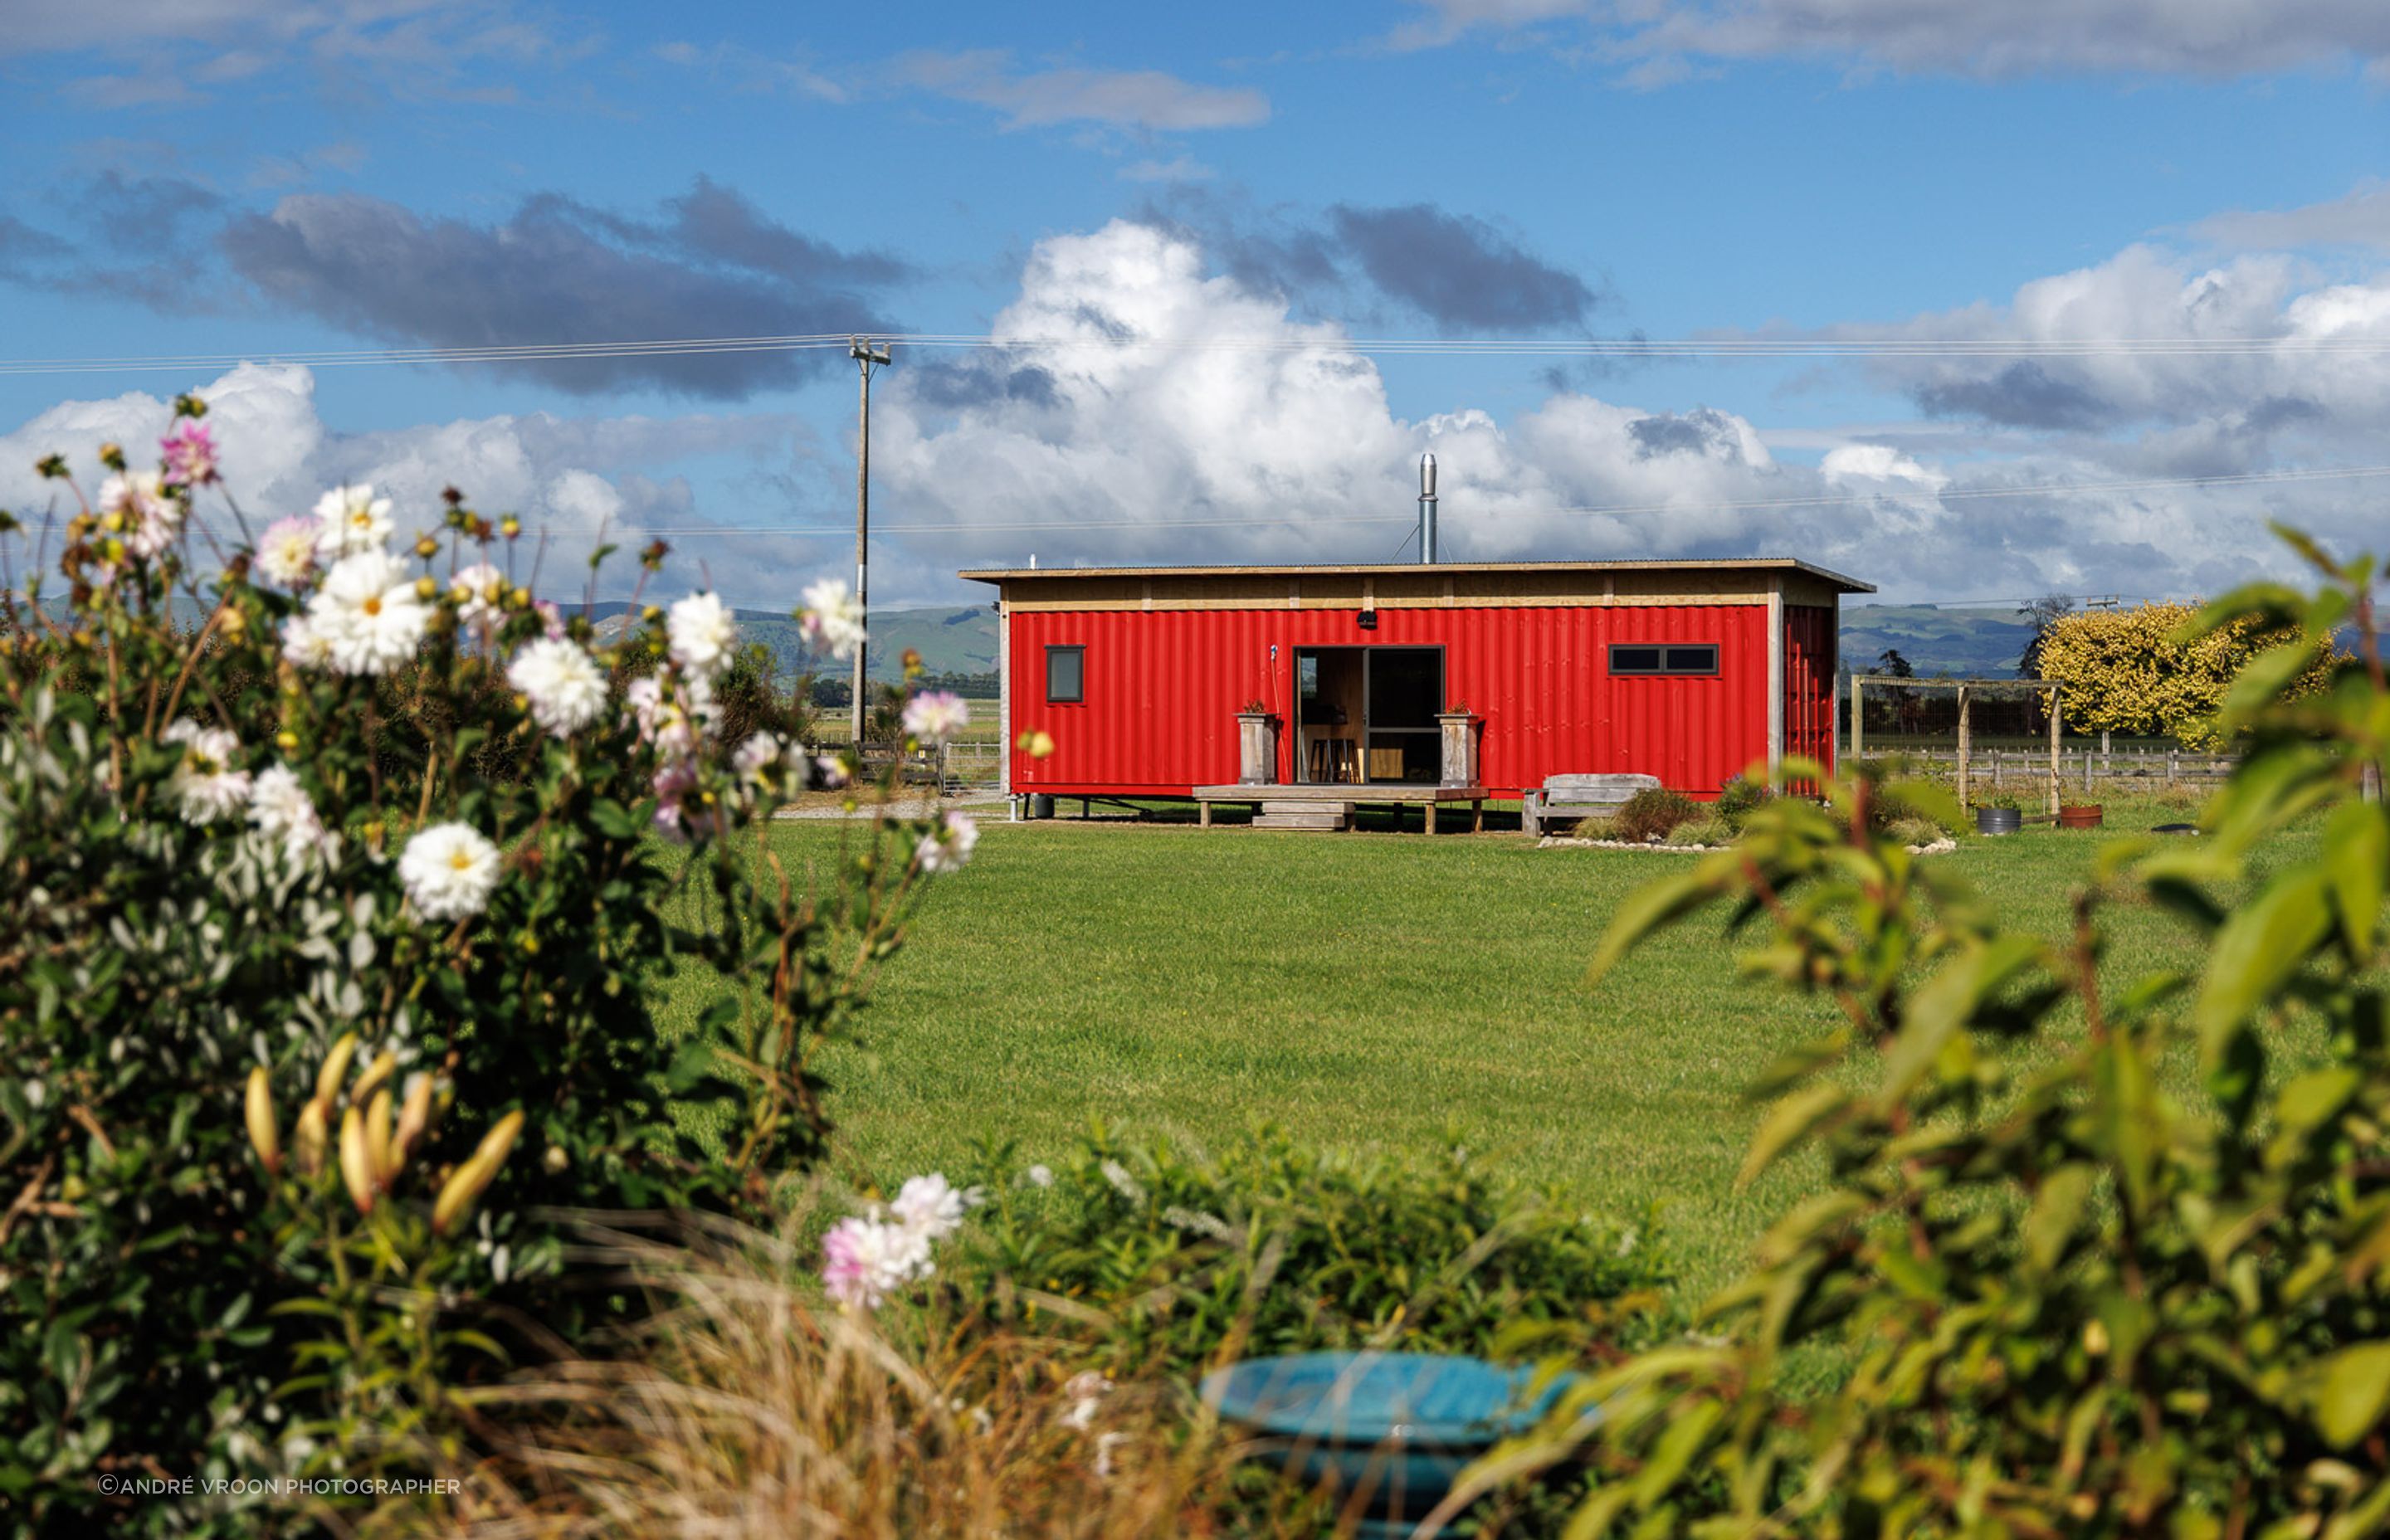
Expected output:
(832, 618)
(701, 634)
(566, 691)
(354, 519)
(368, 613)
(449, 871)
(205, 785)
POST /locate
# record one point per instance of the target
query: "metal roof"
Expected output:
(1387, 568)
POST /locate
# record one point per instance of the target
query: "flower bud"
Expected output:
(285, 740)
(112, 455)
(414, 1117)
(310, 1136)
(520, 598)
(472, 1178)
(554, 1162)
(234, 623)
(426, 548)
(356, 1160)
(651, 614)
(385, 1065)
(327, 1080)
(509, 526)
(427, 589)
(381, 1148)
(263, 1136)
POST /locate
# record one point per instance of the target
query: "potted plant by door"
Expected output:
(2000, 816)
(1460, 726)
(1256, 744)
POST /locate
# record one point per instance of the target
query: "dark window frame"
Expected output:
(1666, 667)
(1080, 651)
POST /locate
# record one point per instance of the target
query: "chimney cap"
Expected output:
(1427, 475)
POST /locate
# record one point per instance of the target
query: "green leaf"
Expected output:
(2056, 1210)
(2310, 1098)
(2259, 948)
(2263, 679)
(1648, 910)
(2356, 848)
(2355, 1386)
(1947, 1002)
(1788, 1122)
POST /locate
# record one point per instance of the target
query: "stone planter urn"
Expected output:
(1256, 749)
(1460, 733)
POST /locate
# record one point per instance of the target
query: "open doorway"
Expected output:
(1366, 714)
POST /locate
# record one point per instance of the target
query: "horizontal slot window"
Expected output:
(1665, 658)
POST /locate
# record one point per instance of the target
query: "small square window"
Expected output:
(1066, 675)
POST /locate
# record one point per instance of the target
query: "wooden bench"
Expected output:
(1568, 798)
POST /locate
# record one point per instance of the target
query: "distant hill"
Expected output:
(1974, 643)
(951, 640)
(962, 638)
(1977, 644)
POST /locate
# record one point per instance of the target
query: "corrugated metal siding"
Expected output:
(1809, 683)
(1163, 688)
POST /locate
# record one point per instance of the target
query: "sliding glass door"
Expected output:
(1367, 714)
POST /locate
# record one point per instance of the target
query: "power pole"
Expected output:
(865, 356)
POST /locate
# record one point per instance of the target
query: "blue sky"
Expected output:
(235, 178)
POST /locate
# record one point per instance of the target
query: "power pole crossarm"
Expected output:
(865, 354)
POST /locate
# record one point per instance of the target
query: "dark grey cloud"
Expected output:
(560, 271)
(970, 382)
(143, 213)
(1663, 40)
(117, 236)
(1702, 431)
(2024, 394)
(1459, 272)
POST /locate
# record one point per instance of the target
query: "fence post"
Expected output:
(1963, 746)
(2170, 771)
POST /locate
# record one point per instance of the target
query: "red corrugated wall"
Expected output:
(1810, 684)
(1163, 688)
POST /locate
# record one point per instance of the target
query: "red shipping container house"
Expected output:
(1689, 671)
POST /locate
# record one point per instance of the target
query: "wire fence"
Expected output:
(2026, 769)
(952, 767)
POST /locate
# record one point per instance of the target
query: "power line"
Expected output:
(1628, 348)
(2051, 489)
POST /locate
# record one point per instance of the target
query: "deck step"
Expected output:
(1300, 820)
(1341, 809)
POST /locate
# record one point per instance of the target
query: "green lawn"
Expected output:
(1356, 988)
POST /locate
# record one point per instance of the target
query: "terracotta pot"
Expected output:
(2084, 815)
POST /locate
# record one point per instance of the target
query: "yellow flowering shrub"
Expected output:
(2138, 672)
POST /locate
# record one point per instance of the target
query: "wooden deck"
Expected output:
(1330, 794)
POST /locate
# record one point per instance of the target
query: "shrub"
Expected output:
(1915, 831)
(395, 804)
(1913, 803)
(1653, 811)
(1738, 799)
(1702, 829)
(1161, 1259)
(2070, 1301)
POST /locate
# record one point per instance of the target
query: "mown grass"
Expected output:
(1359, 989)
